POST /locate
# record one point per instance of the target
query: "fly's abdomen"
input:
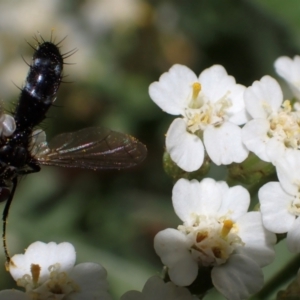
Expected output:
(41, 86)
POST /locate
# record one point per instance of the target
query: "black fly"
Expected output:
(23, 149)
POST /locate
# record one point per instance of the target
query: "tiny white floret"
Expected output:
(275, 127)
(280, 201)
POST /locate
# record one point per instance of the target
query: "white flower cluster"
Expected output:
(218, 232)
(48, 271)
(213, 107)
(218, 235)
(274, 136)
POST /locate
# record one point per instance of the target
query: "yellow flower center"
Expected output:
(57, 283)
(35, 273)
(294, 207)
(227, 225)
(214, 238)
(285, 125)
(196, 90)
(201, 111)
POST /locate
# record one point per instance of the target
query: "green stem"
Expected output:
(287, 273)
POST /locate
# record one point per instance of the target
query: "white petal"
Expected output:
(293, 237)
(171, 245)
(216, 83)
(238, 279)
(186, 198)
(184, 272)
(185, 149)
(262, 95)
(259, 243)
(155, 286)
(274, 203)
(172, 90)
(237, 113)
(289, 69)
(173, 248)
(43, 255)
(190, 197)
(224, 144)
(91, 278)
(210, 196)
(276, 150)
(287, 169)
(255, 138)
(235, 200)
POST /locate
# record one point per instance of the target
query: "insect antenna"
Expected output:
(4, 219)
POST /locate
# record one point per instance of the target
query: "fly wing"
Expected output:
(92, 148)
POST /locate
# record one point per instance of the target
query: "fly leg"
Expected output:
(4, 219)
(9, 174)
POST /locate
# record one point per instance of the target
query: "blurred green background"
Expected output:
(111, 217)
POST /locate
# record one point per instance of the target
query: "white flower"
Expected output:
(217, 232)
(156, 289)
(211, 104)
(47, 271)
(289, 70)
(275, 125)
(280, 201)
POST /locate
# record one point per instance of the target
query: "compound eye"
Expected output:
(4, 194)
